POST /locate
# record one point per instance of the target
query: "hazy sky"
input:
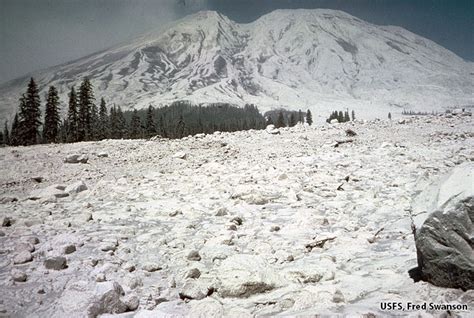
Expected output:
(35, 34)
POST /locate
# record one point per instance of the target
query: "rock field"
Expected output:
(300, 221)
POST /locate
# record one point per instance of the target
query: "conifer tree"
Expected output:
(346, 116)
(15, 132)
(113, 123)
(309, 117)
(94, 125)
(86, 100)
(121, 123)
(300, 116)
(135, 126)
(6, 134)
(162, 128)
(293, 121)
(51, 118)
(389, 116)
(180, 127)
(280, 120)
(269, 120)
(72, 117)
(340, 116)
(353, 115)
(104, 127)
(30, 115)
(150, 122)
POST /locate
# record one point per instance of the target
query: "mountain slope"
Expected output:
(318, 59)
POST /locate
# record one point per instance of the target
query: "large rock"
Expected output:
(445, 246)
(245, 275)
(80, 300)
(76, 159)
(54, 191)
(445, 237)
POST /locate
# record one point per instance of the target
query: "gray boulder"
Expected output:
(445, 244)
(76, 159)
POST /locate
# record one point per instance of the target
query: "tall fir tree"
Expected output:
(86, 100)
(309, 117)
(180, 127)
(6, 134)
(162, 129)
(121, 123)
(300, 116)
(72, 117)
(15, 132)
(292, 121)
(269, 120)
(346, 116)
(280, 120)
(104, 127)
(390, 116)
(94, 125)
(135, 126)
(51, 117)
(30, 115)
(150, 122)
(353, 115)
(113, 123)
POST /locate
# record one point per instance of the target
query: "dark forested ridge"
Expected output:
(86, 120)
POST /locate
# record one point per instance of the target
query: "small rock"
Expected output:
(100, 277)
(175, 213)
(237, 220)
(193, 290)
(18, 276)
(33, 240)
(131, 301)
(102, 155)
(275, 228)
(25, 247)
(133, 282)
(350, 133)
(37, 179)
(69, 249)
(282, 177)
(4, 200)
(232, 227)
(290, 258)
(180, 155)
(76, 159)
(193, 273)
(108, 246)
(221, 212)
(151, 267)
(194, 256)
(2, 233)
(272, 130)
(338, 297)
(7, 221)
(86, 217)
(23, 257)
(76, 187)
(56, 263)
(129, 267)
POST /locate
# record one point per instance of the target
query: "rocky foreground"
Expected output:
(299, 221)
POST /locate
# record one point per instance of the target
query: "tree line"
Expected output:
(85, 121)
(287, 118)
(341, 116)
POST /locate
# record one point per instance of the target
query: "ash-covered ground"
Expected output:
(231, 224)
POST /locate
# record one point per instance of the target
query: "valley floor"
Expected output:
(235, 224)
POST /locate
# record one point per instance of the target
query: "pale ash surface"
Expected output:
(152, 206)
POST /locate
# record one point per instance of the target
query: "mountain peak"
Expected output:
(318, 59)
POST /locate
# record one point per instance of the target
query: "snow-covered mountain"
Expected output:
(317, 59)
